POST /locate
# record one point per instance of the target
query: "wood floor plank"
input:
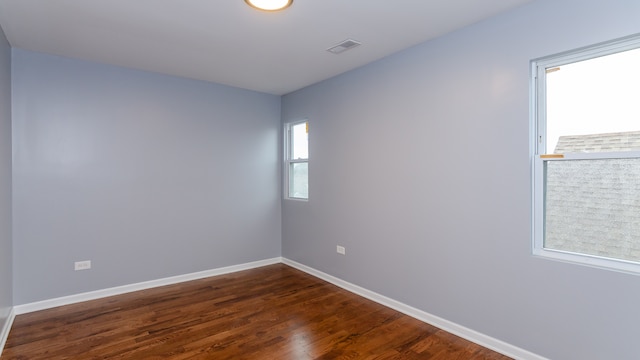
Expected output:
(273, 312)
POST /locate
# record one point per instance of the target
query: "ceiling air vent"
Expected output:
(343, 46)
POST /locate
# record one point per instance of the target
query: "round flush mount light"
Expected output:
(269, 5)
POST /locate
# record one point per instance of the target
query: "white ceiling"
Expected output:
(228, 42)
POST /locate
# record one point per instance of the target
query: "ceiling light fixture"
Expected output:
(269, 5)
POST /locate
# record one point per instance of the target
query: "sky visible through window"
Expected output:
(595, 96)
(300, 141)
(299, 165)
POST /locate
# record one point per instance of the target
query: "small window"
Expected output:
(587, 155)
(297, 160)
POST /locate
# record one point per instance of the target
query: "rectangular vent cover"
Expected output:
(344, 46)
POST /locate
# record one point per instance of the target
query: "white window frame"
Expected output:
(539, 158)
(288, 159)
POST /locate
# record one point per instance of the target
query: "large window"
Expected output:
(297, 160)
(587, 155)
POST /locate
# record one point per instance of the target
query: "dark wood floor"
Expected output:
(273, 312)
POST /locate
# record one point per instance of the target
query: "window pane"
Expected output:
(299, 180)
(299, 141)
(598, 96)
(593, 207)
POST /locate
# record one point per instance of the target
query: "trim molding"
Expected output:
(98, 294)
(446, 325)
(4, 333)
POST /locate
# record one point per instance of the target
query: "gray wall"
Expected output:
(6, 288)
(147, 176)
(420, 167)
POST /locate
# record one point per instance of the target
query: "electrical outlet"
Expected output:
(341, 250)
(82, 265)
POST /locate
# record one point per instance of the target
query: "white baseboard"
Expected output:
(456, 329)
(446, 325)
(4, 333)
(98, 294)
